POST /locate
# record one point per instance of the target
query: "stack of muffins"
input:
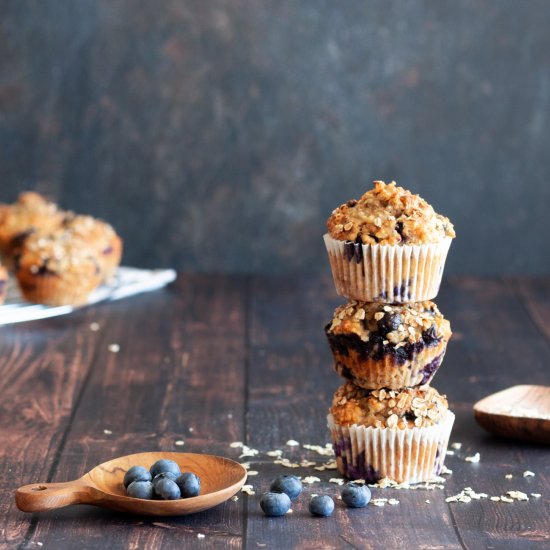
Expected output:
(58, 257)
(387, 251)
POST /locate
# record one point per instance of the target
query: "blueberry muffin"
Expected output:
(101, 236)
(388, 346)
(3, 283)
(399, 434)
(57, 269)
(31, 212)
(388, 246)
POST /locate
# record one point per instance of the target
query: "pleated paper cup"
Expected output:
(411, 455)
(387, 273)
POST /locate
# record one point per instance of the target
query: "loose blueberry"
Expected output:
(164, 475)
(275, 504)
(136, 473)
(167, 489)
(321, 505)
(355, 495)
(162, 466)
(291, 485)
(140, 489)
(189, 484)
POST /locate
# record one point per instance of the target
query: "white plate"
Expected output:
(127, 282)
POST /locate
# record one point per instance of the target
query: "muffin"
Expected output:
(31, 212)
(388, 246)
(388, 346)
(402, 435)
(57, 269)
(3, 283)
(101, 236)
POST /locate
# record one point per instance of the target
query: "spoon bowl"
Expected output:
(220, 477)
(519, 412)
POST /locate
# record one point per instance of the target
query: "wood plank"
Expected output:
(495, 345)
(179, 375)
(535, 294)
(43, 368)
(291, 385)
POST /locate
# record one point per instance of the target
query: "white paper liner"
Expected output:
(412, 455)
(387, 273)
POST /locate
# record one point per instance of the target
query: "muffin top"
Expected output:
(31, 211)
(56, 253)
(408, 408)
(390, 215)
(396, 324)
(97, 232)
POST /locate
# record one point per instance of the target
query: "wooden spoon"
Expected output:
(519, 412)
(220, 477)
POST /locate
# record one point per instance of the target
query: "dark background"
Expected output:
(219, 135)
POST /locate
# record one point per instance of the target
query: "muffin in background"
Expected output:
(388, 246)
(57, 269)
(30, 213)
(101, 237)
(388, 345)
(399, 434)
(3, 283)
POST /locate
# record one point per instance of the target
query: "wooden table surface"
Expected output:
(217, 359)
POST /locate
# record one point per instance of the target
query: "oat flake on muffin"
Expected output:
(407, 408)
(388, 215)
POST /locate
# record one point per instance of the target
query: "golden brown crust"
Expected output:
(57, 269)
(101, 236)
(401, 323)
(388, 215)
(3, 283)
(31, 212)
(406, 408)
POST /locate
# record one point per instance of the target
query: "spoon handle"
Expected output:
(41, 497)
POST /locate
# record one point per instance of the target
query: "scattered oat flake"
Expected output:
(528, 473)
(248, 489)
(445, 470)
(327, 450)
(508, 476)
(252, 472)
(457, 446)
(200, 536)
(506, 499)
(393, 501)
(337, 480)
(286, 463)
(379, 501)
(495, 499)
(114, 348)
(517, 495)
(234, 498)
(292, 443)
(466, 495)
(179, 442)
(276, 452)
(236, 444)
(427, 501)
(475, 458)
(107, 432)
(290, 511)
(94, 327)
(450, 453)
(248, 451)
(310, 479)
(307, 463)
(536, 495)
(359, 481)
(261, 544)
